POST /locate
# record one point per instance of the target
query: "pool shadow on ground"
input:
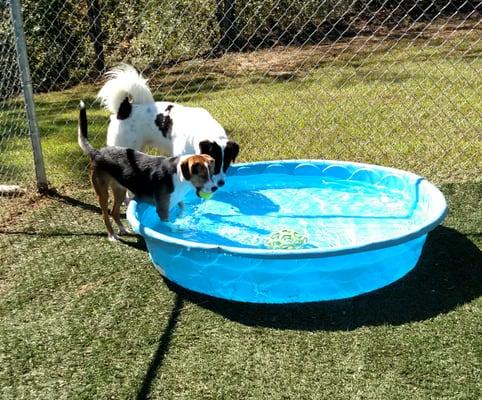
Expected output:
(448, 274)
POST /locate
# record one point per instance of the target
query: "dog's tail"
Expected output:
(124, 81)
(82, 133)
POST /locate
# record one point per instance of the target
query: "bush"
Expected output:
(150, 33)
(270, 22)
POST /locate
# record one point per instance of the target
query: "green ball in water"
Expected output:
(205, 195)
(286, 239)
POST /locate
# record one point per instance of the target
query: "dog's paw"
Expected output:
(128, 198)
(124, 231)
(163, 214)
(113, 238)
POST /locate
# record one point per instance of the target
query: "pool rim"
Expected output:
(298, 253)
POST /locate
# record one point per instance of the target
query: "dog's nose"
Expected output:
(214, 188)
(221, 183)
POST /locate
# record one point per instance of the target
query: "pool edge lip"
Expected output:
(297, 253)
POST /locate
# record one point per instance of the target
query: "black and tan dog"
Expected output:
(162, 181)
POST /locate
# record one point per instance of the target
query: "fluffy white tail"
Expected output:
(124, 81)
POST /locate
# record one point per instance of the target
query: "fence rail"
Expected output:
(394, 83)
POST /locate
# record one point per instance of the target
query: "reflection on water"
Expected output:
(329, 213)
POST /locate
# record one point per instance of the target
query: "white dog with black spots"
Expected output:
(138, 121)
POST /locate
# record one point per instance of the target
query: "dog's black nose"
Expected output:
(214, 188)
(221, 183)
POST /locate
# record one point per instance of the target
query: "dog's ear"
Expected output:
(186, 170)
(231, 150)
(205, 147)
(125, 109)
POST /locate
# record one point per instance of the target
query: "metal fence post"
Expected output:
(21, 47)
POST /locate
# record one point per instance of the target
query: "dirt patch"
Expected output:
(13, 209)
(286, 62)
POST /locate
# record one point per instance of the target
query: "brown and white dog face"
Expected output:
(199, 170)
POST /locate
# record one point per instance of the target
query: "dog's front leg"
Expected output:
(162, 206)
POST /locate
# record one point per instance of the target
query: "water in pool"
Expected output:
(328, 213)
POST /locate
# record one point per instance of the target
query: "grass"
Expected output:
(81, 318)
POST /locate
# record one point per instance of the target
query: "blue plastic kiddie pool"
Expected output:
(295, 231)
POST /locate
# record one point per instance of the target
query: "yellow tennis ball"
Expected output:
(205, 195)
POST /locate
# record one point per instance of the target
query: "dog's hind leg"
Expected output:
(129, 196)
(101, 188)
(119, 197)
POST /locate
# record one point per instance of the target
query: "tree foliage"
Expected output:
(148, 33)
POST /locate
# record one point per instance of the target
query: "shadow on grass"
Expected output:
(448, 274)
(50, 234)
(161, 351)
(70, 201)
(138, 244)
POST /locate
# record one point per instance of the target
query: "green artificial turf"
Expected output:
(83, 318)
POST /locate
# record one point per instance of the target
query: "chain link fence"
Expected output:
(13, 120)
(395, 83)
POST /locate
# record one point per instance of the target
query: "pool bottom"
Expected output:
(288, 280)
(327, 213)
